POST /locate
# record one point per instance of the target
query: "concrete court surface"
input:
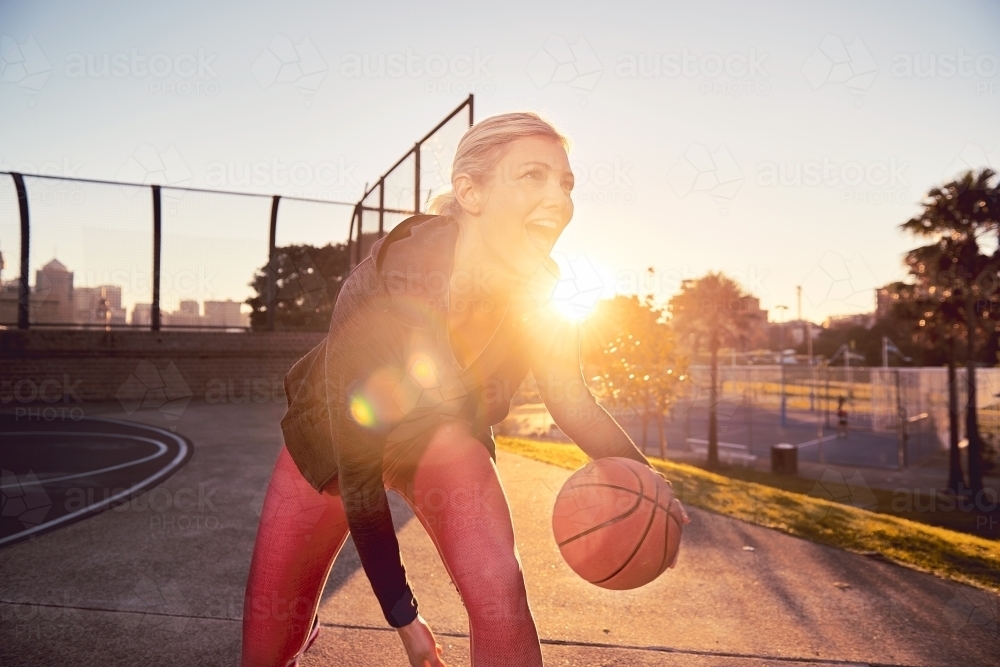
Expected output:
(154, 583)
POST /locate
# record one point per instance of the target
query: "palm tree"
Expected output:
(711, 309)
(960, 217)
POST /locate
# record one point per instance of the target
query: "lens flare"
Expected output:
(362, 411)
(424, 371)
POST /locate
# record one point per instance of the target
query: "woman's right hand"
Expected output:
(421, 648)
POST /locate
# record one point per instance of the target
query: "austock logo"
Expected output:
(24, 65)
(834, 62)
(834, 487)
(702, 170)
(847, 282)
(24, 498)
(150, 166)
(161, 607)
(147, 387)
(284, 61)
(972, 157)
(730, 74)
(559, 62)
(971, 608)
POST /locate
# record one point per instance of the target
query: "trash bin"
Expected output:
(785, 459)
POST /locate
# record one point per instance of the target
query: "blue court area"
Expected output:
(746, 437)
(56, 472)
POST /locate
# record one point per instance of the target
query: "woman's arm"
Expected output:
(555, 363)
(370, 521)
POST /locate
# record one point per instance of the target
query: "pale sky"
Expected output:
(782, 143)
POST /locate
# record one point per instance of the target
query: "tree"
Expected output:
(635, 360)
(711, 310)
(934, 315)
(959, 218)
(308, 280)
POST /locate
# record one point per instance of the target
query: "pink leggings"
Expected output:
(454, 491)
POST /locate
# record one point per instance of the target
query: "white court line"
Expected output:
(166, 470)
(810, 443)
(160, 450)
(728, 445)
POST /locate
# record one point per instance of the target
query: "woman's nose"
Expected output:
(556, 196)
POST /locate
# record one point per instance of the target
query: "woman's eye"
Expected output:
(534, 174)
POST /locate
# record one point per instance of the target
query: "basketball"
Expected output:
(617, 523)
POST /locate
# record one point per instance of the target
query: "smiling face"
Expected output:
(526, 204)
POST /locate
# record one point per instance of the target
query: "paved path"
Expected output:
(157, 585)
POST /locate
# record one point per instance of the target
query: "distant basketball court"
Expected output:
(55, 473)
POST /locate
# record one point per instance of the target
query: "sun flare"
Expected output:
(580, 287)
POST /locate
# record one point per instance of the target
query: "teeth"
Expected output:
(546, 223)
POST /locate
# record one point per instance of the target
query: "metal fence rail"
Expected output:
(406, 187)
(156, 225)
(156, 194)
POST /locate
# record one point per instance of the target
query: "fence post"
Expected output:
(783, 408)
(272, 269)
(416, 179)
(381, 206)
(154, 308)
(23, 293)
(357, 246)
(901, 418)
(471, 106)
(350, 240)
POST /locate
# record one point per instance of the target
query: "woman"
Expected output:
(431, 336)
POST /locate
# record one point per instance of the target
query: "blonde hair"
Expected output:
(484, 144)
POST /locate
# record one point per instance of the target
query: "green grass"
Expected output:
(918, 505)
(945, 553)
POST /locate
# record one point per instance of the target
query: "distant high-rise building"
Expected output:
(188, 315)
(141, 314)
(225, 314)
(52, 296)
(98, 305)
(756, 321)
(189, 307)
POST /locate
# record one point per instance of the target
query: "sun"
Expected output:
(575, 310)
(579, 289)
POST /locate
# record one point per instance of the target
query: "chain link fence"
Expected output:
(86, 253)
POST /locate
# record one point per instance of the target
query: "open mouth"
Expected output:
(543, 233)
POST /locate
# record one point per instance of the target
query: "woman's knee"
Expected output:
(496, 594)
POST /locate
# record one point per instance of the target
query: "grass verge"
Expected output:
(945, 553)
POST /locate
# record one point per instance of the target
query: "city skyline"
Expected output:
(55, 299)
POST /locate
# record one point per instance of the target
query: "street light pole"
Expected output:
(781, 358)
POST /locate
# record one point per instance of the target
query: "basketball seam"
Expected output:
(615, 486)
(641, 495)
(626, 514)
(645, 532)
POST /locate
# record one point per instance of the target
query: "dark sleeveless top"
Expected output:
(385, 375)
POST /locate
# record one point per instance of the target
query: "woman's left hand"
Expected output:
(684, 515)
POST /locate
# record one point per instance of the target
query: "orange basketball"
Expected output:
(617, 523)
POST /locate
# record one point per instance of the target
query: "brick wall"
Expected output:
(154, 369)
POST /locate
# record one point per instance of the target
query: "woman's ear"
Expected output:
(467, 193)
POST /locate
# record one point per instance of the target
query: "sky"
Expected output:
(782, 143)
